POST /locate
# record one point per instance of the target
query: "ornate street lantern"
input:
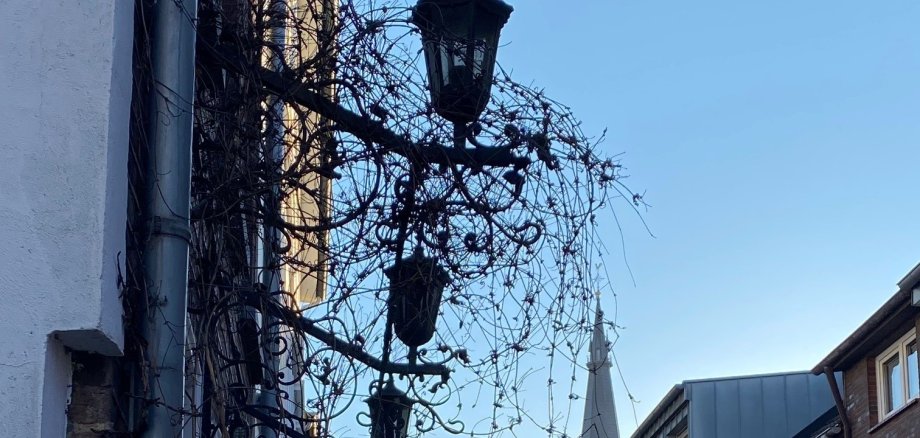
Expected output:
(390, 409)
(460, 38)
(416, 285)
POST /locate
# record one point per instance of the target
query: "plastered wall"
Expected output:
(65, 90)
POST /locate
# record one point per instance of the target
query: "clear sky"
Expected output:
(778, 143)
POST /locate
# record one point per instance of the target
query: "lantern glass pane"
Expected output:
(431, 56)
(404, 427)
(479, 58)
(457, 54)
(444, 64)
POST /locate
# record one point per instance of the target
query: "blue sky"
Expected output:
(778, 144)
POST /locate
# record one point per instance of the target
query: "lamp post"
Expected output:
(460, 39)
(416, 284)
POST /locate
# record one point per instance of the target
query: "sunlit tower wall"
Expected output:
(304, 192)
(294, 34)
(306, 201)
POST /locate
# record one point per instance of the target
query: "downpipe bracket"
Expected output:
(166, 226)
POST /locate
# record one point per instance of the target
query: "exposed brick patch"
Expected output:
(93, 410)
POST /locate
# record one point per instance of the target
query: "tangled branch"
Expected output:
(318, 162)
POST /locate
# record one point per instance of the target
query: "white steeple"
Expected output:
(600, 410)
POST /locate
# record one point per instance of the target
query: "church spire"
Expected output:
(600, 419)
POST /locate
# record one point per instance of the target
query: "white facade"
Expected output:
(65, 91)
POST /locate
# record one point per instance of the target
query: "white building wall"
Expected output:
(65, 90)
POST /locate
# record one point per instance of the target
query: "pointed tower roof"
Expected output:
(600, 419)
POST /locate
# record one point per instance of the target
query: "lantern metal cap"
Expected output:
(391, 391)
(416, 262)
(497, 7)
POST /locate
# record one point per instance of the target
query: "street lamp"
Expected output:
(416, 285)
(390, 409)
(460, 39)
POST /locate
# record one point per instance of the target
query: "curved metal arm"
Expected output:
(341, 346)
(363, 127)
(272, 422)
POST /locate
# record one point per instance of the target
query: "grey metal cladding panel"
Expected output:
(728, 408)
(820, 395)
(801, 408)
(774, 406)
(798, 403)
(756, 407)
(702, 416)
(752, 403)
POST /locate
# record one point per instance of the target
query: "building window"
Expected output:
(898, 374)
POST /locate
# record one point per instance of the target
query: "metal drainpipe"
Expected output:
(838, 401)
(168, 175)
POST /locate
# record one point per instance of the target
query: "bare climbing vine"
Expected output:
(318, 161)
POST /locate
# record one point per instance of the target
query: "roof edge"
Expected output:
(911, 279)
(748, 376)
(666, 401)
(872, 324)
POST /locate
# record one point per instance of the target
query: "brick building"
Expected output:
(880, 369)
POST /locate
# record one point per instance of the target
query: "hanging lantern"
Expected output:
(390, 409)
(416, 286)
(460, 39)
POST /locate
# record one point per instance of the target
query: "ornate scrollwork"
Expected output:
(369, 177)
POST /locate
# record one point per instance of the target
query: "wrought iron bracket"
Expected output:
(346, 348)
(272, 422)
(286, 84)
